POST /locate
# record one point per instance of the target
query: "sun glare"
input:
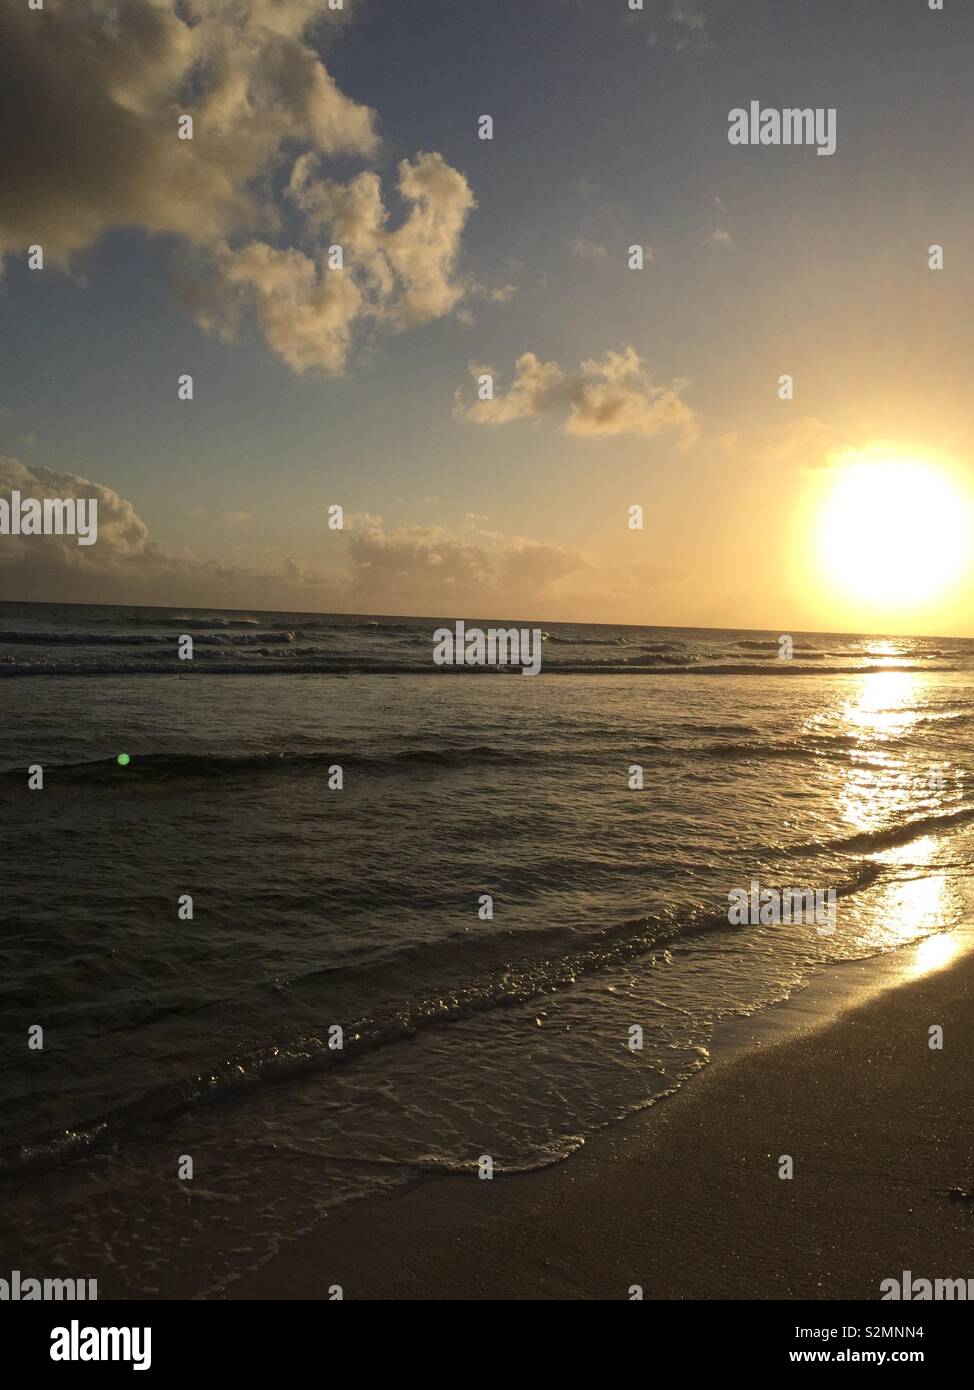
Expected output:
(894, 532)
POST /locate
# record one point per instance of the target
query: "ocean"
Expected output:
(480, 914)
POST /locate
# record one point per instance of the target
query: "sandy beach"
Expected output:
(685, 1200)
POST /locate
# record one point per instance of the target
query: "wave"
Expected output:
(954, 718)
(586, 641)
(186, 621)
(54, 638)
(889, 837)
(794, 668)
(758, 751)
(773, 645)
(276, 665)
(732, 743)
(807, 653)
(717, 730)
(169, 767)
(548, 961)
(682, 659)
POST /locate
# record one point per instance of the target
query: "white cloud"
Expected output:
(537, 388)
(399, 278)
(614, 396)
(305, 313)
(122, 534)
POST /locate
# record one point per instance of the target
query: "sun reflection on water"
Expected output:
(886, 703)
(915, 906)
(877, 786)
(887, 783)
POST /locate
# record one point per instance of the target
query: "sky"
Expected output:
(465, 257)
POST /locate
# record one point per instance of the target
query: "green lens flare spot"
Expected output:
(123, 760)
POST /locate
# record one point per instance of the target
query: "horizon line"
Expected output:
(550, 622)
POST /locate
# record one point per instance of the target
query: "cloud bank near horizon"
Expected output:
(376, 569)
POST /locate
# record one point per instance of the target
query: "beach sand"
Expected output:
(685, 1200)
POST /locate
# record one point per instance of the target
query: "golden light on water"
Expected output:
(875, 788)
(885, 703)
(881, 785)
(916, 905)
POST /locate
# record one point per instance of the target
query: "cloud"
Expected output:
(614, 396)
(682, 24)
(102, 86)
(121, 532)
(537, 388)
(95, 90)
(402, 277)
(431, 564)
(690, 16)
(305, 315)
(402, 569)
(584, 250)
(503, 294)
(308, 309)
(719, 239)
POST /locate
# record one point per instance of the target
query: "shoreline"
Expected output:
(684, 1199)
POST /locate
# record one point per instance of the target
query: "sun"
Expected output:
(894, 532)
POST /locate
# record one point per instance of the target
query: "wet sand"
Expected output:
(685, 1200)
